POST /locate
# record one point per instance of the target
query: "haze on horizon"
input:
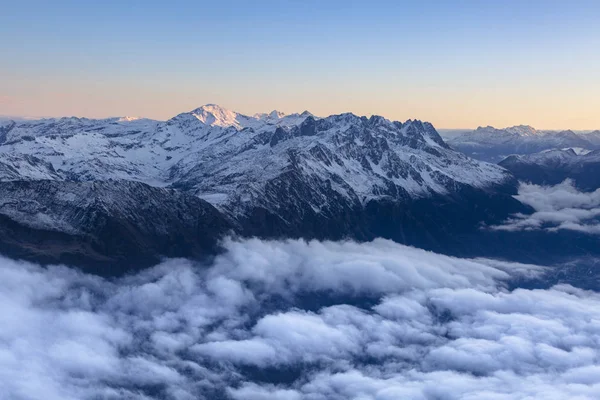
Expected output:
(458, 64)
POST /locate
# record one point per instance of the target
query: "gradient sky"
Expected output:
(458, 64)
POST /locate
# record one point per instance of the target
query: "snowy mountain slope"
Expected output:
(26, 167)
(554, 166)
(83, 149)
(491, 144)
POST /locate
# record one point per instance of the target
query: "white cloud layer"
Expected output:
(296, 320)
(556, 207)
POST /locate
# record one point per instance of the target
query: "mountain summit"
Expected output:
(214, 115)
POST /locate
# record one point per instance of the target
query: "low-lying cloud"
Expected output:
(556, 207)
(296, 320)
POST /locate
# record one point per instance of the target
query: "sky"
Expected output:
(457, 64)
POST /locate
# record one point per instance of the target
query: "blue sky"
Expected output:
(455, 63)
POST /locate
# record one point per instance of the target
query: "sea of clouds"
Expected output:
(291, 320)
(557, 207)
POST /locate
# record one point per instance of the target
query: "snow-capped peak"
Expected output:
(215, 115)
(128, 119)
(276, 114)
(523, 130)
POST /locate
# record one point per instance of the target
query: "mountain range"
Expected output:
(552, 167)
(493, 145)
(122, 192)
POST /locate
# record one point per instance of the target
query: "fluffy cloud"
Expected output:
(294, 320)
(556, 207)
